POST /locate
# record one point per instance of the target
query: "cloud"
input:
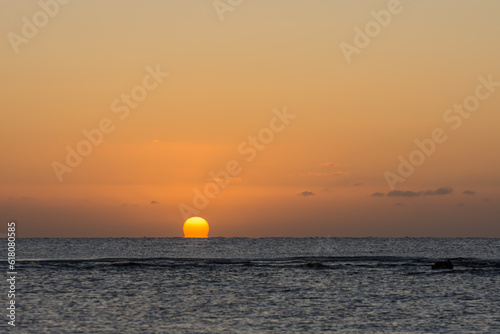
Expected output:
(486, 199)
(408, 193)
(378, 195)
(329, 164)
(439, 191)
(307, 193)
(401, 193)
(398, 204)
(468, 192)
(358, 184)
(337, 173)
(460, 204)
(155, 202)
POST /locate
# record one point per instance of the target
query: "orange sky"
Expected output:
(178, 90)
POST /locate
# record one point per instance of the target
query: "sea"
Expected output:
(255, 285)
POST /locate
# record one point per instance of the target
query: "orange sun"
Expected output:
(195, 227)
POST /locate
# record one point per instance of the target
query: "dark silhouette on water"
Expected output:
(443, 265)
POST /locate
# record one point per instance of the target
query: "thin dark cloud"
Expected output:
(329, 164)
(460, 204)
(358, 184)
(409, 193)
(401, 193)
(398, 204)
(486, 199)
(439, 191)
(307, 193)
(155, 202)
(337, 173)
(468, 192)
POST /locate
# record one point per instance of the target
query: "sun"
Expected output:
(195, 227)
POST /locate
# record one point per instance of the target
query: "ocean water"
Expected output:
(268, 285)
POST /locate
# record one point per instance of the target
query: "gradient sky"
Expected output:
(323, 175)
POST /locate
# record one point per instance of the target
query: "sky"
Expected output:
(284, 118)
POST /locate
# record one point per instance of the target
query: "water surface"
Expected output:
(268, 285)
